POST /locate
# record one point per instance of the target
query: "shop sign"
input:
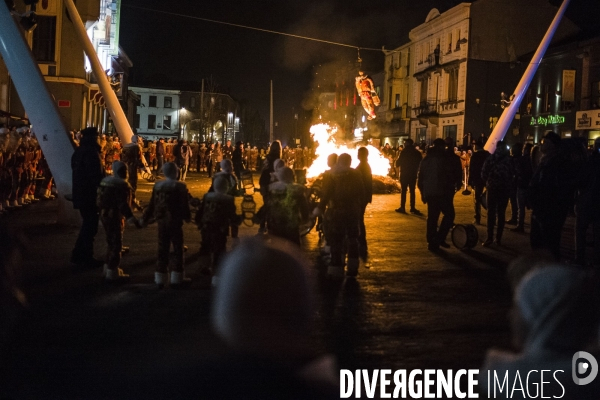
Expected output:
(587, 119)
(547, 120)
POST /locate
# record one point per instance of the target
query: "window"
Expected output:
(151, 121)
(457, 40)
(397, 104)
(453, 85)
(424, 83)
(136, 121)
(168, 102)
(152, 101)
(44, 39)
(450, 131)
(390, 98)
(546, 105)
(450, 42)
(167, 122)
(421, 135)
(192, 102)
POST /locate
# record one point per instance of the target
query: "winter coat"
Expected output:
(409, 161)
(475, 166)
(87, 173)
(498, 172)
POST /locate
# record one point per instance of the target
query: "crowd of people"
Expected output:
(555, 311)
(556, 178)
(24, 174)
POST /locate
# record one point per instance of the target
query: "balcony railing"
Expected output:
(426, 108)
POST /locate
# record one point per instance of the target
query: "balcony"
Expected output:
(426, 109)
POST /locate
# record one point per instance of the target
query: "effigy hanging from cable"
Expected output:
(367, 93)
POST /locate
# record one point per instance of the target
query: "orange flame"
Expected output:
(324, 135)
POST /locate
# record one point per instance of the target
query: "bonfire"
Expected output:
(324, 137)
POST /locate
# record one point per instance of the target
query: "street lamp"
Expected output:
(229, 126)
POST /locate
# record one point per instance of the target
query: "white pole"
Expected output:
(41, 109)
(509, 113)
(112, 103)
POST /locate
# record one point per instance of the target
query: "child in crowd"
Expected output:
(169, 206)
(114, 199)
(214, 217)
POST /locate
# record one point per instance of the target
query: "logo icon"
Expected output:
(584, 364)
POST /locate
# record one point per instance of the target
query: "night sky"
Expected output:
(244, 61)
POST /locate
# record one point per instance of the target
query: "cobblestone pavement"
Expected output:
(409, 308)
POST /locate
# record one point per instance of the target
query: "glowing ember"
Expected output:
(324, 135)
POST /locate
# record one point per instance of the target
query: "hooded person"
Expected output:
(87, 174)
(169, 207)
(287, 206)
(262, 310)
(131, 155)
(555, 319)
(113, 200)
(216, 214)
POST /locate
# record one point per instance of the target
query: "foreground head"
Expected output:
(262, 303)
(275, 148)
(555, 307)
(408, 142)
(332, 160)
(227, 166)
(285, 175)
(344, 160)
(119, 169)
(363, 153)
(550, 143)
(220, 185)
(89, 134)
(170, 170)
(278, 164)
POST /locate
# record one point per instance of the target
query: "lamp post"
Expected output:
(228, 127)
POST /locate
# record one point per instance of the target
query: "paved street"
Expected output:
(409, 308)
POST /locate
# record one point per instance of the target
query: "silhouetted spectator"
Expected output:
(587, 208)
(475, 180)
(550, 195)
(523, 174)
(515, 153)
(262, 309)
(87, 174)
(409, 161)
(367, 178)
(440, 174)
(555, 315)
(498, 173)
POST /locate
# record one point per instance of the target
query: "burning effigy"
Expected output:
(324, 137)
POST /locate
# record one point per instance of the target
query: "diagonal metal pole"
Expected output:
(41, 110)
(509, 113)
(112, 102)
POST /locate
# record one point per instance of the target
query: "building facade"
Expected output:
(60, 56)
(466, 57)
(393, 116)
(158, 114)
(210, 117)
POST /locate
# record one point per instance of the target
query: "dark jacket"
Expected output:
(367, 177)
(409, 161)
(498, 172)
(87, 172)
(344, 193)
(160, 148)
(523, 171)
(476, 165)
(440, 174)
